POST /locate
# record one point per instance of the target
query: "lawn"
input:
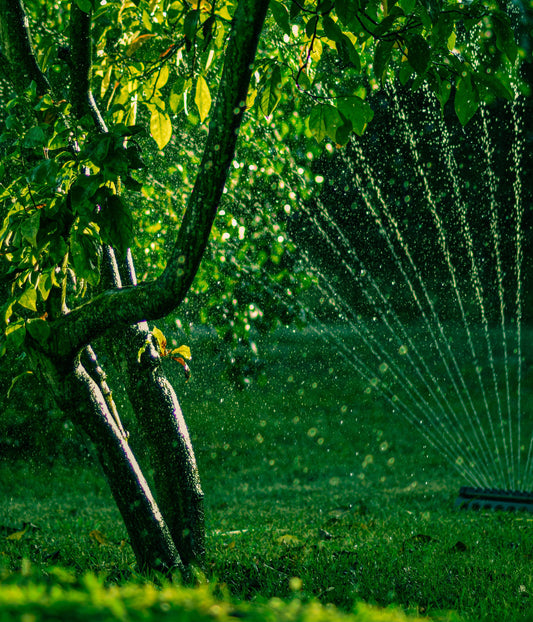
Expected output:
(315, 491)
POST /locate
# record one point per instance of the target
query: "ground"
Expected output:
(314, 490)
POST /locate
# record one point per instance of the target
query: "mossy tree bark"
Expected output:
(173, 537)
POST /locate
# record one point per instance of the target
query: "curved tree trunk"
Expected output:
(82, 394)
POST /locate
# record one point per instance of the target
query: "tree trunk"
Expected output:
(77, 393)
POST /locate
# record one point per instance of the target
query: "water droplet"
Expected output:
(369, 459)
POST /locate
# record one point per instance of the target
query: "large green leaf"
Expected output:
(271, 91)
(418, 54)
(466, 99)
(357, 111)
(160, 127)
(281, 16)
(29, 299)
(382, 56)
(202, 98)
(116, 223)
(38, 329)
(30, 228)
(505, 40)
(324, 120)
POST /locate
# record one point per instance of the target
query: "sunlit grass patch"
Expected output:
(365, 514)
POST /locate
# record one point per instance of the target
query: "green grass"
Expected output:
(314, 492)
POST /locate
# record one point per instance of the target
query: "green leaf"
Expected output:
(202, 98)
(84, 253)
(16, 333)
(382, 56)
(116, 223)
(324, 120)
(418, 54)
(348, 53)
(38, 329)
(281, 16)
(345, 10)
(160, 128)
(44, 285)
(85, 5)
(466, 99)
(331, 30)
(407, 6)
(34, 137)
(505, 40)
(493, 85)
(29, 299)
(30, 228)
(311, 25)
(189, 25)
(271, 91)
(357, 111)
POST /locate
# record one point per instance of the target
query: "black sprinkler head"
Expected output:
(494, 499)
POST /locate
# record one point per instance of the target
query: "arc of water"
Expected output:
(452, 444)
(495, 231)
(350, 270)
(474, 272)
(443, 242)
(403, 244)
(363, 370)
(517, 149)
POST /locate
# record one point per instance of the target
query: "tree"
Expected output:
(73, 185)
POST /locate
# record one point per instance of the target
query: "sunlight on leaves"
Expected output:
(202, 98)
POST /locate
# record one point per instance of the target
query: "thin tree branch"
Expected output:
(17, 47)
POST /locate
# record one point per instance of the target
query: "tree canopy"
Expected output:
(120, 134)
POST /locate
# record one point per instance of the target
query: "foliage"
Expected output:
(89, 599)
(67, 189)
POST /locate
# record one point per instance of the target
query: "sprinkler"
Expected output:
(494, 499)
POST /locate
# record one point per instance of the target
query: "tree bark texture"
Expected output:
(161, 541)
(115, 308)
(16, 44)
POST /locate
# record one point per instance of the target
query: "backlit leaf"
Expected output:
(202, 98)
(160, 127)
(184, 351)
(29, 299)
(30, 228)
(17, 535)
(98, 537)
(161, 340)
(271, 91)
(324, 120)
(357, 111)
